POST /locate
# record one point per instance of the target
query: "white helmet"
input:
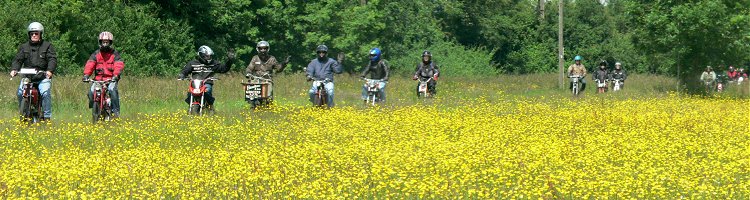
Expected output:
(205, 53)
(35, 27)
(263, 44)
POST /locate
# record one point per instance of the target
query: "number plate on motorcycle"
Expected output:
(252, 91)
(422, 87)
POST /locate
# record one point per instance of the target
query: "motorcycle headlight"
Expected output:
(196, 90)
(97, 86)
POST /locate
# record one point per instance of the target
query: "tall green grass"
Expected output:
(157, 94)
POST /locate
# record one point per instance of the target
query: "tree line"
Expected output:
(466, 37)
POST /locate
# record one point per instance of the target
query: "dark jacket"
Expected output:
(323, 70)
(427, 70)
(601, 74)
(39, 56)
(377, 70)
(104, 64)
(619, 74)
(203, 71)
(259, 67)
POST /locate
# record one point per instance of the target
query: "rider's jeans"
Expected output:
(381, 91)
(44, 90)
(114, 97)
(329, 91)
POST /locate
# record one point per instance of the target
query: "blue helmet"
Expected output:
(577, 58)
(375, 54)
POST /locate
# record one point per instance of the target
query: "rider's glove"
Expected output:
(85, 78)
(435, 77)
(115, 78)
(414, 77)
(309, 78)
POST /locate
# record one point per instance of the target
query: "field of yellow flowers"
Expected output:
(527, 148)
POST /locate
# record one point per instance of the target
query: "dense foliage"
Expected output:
(467, 37)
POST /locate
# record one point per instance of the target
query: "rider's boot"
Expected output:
(210, 109)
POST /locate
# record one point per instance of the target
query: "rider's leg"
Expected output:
(209, 96)
(91, 96)
(20, 93)
(44, 89)
(312, 92)
(381, 90)
(364, 92)
(329, 91)
(432, 87)
(114, 96)
(583, 84)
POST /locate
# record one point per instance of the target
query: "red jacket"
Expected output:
(106, 65)
(732, 74)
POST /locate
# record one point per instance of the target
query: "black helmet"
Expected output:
(322, 48)
(426, 53)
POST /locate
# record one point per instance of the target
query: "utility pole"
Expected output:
(560, 51)
(541, 10)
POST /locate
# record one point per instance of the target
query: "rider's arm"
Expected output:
(51, 59)
(387, 70)
(88, 69)
(18, 60)
(223, 68)
(311, 69)
(336, 67)
(366, 70)
(119, 64)
(186, 70)
(437, 70)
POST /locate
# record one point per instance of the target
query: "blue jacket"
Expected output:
(322, 70)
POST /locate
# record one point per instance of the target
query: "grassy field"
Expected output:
(513, 137)
(156, 95)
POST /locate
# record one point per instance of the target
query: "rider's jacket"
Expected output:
(619, 74)
(601, 74)
(200, 70)
(104, 64)
(259, 67)
(708, 76)
(577, 70)
(427, 70)
(377, 70)
(40, 56)
(323, 68)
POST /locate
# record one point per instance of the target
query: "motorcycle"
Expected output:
(423, 89)
(197, 90)
(373, 91)
(576, 79)
(30, 107)
(601, 85)
(320, 98)
(102, 105)
(616, 84)
(258, 90)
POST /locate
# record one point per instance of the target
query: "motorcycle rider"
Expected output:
(601, 74)
(108, 65)
(619, 73)
(379, 70)
(732, 73)
(203, 67)
(40, 55)
(323, 68)
(578, 69)
(264, 63)
(426, 69)
(708, 77)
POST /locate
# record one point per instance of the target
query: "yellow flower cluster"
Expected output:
(544, 148)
